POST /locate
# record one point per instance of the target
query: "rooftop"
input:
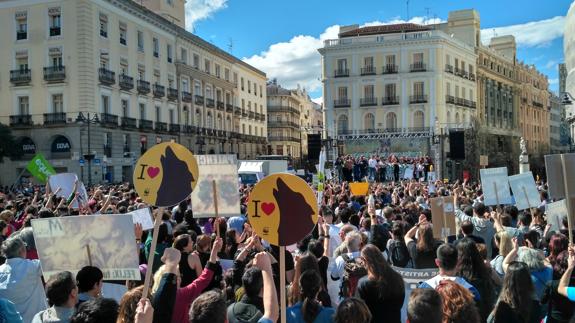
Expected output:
(384, 29)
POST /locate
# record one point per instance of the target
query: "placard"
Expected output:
(555, 177)
(282, 209)
(70, 243)
(65, 182)
(412, 278)
(483, 160)
(144, 217)
(556, 212)
(166, 174)
(443, 216)
(359, 188)
(495, 185)
(524, 191)
(224, 170)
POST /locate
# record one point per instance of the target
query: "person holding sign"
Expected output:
(482, 227)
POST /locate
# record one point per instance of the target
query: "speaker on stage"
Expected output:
(313, 146)
(457, 144)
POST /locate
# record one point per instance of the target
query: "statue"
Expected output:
(523, 157)
(522, 146)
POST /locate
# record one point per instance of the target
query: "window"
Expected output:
(171, 81)
(107, 144)
(123, 33)
(196, 61)
(369, 121)
(105, 104)
(142, 111)
(418, 58)
(236, 79)
(217, 70)
(208, 92)
(124, 104)
(185, 86)
(227, 74)
(21, 25)
(342, 93)
(158, 114)
(55, 22)
(124, 66)
(157, 76)
(141, 72)
(126, 140)
(249, 86)
(342, 64)
(140, 40)
(171, 115)
(391, 121)
(447, 60)
(207, 66)
(169, 53)
(448, 88)
(368, 91)
(255, 89)
(261, 92)
(418, 88)
(390, 91)
(156, 44)
(57, 103)
(55, 57)
(23, 105)
(390, 60)
(418, 119)
(242, 83)
(368, 62)
(342, 124)
(197, 88)
(104, 25)
(209, 123)
(184, 55)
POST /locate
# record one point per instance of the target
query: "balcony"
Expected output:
(421, 98)
(109, 120)
(187, 97)
(56, 118)
(159, 90)
(174, 128)
(103, 33)
(172, 94)
(20, 35)
(210, 103)
(284, 109)
(189, 129)
(54, 73)
(449, 68)
(23, 120)
(229, 108)
(161, 126)
(283, 124)
(126, 82)
(106, 76)
(128, 123)
(237, 111)
(284, 138)
(146, 125)
(537, 104)
(342, 103)
(367, 102)
(341, 73)
(251, 115)
(143, 87)
(21, 76)
(244, 113)
(55, 31)
(368, 70)
(460, 102)
(471, 76)
(417, 67)
(389, 69)
(198, 100)
(450, 99)
(470, 104)
(123, 41)
(390, 100)
(220, 105)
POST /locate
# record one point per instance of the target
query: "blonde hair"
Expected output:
(505, 244)
(157, 278)
(6, 215)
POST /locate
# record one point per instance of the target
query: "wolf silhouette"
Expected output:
(298, 223)
(176, 180)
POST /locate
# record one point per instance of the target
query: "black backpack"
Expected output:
(354, 269)
(398, 254)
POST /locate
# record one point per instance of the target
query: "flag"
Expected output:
(40, 168)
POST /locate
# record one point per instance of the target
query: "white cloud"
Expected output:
(553, 81)
(531, 34)
(318, 100)
(197, 10)
(551, 64)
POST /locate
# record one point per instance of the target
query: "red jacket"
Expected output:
(186, 295)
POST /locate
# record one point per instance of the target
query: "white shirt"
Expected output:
(372, 163)
(339, 265)
(334, 239)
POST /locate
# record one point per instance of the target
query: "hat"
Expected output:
(237, 223)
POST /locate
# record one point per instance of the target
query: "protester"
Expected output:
(352, 310)
(458, 305)
(90, 281)
(97, 310)
(62, 294)
(309, 309)
(560, 308)
(422, 251)
(424, 306)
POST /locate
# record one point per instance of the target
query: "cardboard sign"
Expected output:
(223, 169)
(65, 181)
(166, 174)
(282, 209)
(359, 188)
(483, 160)
(556, 212)
(555, 177)
(524, 191)
(495, 185)
(70, 243)
(144, 217)
(442, 216)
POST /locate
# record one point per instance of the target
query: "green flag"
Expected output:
(40, 168)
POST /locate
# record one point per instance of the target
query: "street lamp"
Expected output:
(437, 141)
(81, 119)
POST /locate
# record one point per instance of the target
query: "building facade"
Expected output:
(560, 139)
(145, 78)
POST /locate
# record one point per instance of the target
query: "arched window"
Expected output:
(369, 122)
(198, 118)
(457, 120)
(391, 121)
(342, 124)
(209, 121)
(229, 124)
(418, 119)
(448, 117)
(220, 124)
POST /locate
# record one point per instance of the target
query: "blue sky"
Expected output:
(281, 37)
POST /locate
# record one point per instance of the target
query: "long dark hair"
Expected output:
(517, 289)
(381, 271)
(309, 284)
(425, 241)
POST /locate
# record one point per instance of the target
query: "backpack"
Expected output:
(354, 269)
(398, 254)
(243, 313)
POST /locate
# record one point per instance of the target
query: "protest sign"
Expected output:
(70, 243)
(224, 171)
(442, 216)
(40, 168)
(524, 191)
(143, 217)
(495, 185)
(359, 188)
(166, 174)
(556, 212)
(561, 180)
(412, 278)
(408, 173)
(66, 182)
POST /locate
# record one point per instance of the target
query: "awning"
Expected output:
(251, 167)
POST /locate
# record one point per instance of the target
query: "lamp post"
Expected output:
(87, 120)
(437, 141)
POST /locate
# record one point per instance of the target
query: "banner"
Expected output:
(359, 188)
(40, 168)
(411, 280)
(495, 185)
(223, 170)
(442, 217)
(70, 243)
(556, 212)
(524, 191)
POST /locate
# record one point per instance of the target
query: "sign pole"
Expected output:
(215, 192)
(157, 221)
(444, 226)
(527, 198)
(89, 255)
(283, 309)
(567, 198)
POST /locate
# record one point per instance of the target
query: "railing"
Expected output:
(450, 99)
(187, 96)
(238, 111)
(21, 76)
(21, 120)
(126, 82)
(244, 113)
(198, 100)
(366, 102)
(421, 98)
(368, 70)
(283, 109)
(189, 129)
(55, 31)
(283, 124)
(143, 87)
(159, 90)
(21, 35)
(417, 67)
(161, 126)
(449, 68)
(390, 100)
(537, 104)
(251, 114)
(55, 118)
(54, 73)
(341, 72)
(174, 128)
(106, 76)
(107, 119)
(172, 94)
(283, 138)
(385, 130)
(229, 108)
(146, 125)
(220, 105)
(389, 69)
(341, 103)
(471, 76)
(128, 123)
(210, 103)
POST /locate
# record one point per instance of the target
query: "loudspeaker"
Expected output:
(313, 146)
(457, 144)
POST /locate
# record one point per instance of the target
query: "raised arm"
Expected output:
(511, 255)
(271, 308)
(564, 288)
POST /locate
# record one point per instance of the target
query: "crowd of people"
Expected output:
(381, 169)
(503, 265)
